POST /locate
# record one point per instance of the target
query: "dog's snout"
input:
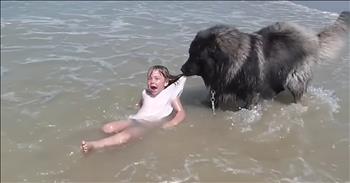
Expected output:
(188, 69)
(183, 69)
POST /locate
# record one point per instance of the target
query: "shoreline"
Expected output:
(329, 6)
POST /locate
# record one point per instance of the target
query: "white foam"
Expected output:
(325, 96)
(41, 20)
(11, 97)
(245, 117)
(304, 8)
(5, 48)
(119, 24)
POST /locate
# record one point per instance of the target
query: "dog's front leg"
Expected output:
(252, 100)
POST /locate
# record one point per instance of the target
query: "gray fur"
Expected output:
(333, 38)
(243, 68)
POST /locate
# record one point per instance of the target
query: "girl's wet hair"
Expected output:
(165, 72)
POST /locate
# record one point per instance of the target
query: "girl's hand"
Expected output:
(179, 116)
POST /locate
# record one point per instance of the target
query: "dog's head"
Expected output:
(199, 57)
(204, 54)
(212, 53)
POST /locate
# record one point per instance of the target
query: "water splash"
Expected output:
(245, 117)
(324, 96)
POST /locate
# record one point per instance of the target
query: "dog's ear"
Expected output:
(209, 35)
(234, 43)
(228, 39)
(206, 36)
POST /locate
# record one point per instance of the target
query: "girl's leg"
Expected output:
(122, 137)
(116, 126)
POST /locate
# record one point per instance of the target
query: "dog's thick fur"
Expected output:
(243, 68)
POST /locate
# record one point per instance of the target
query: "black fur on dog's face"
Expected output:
(198, 60)
(203, 56)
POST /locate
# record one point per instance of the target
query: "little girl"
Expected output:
(160, 105)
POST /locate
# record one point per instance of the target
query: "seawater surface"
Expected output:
(67, 68)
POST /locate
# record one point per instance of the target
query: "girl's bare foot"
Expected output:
(86, 146)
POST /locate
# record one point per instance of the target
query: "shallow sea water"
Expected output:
(67, 68)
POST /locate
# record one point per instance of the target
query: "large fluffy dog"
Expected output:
(242, 68)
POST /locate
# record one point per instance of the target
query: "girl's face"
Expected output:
(156, 82)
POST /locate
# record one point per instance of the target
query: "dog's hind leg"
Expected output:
(298, 80)
(297, 93)
(252, 100)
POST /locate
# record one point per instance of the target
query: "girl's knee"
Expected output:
(114, 127)
(108, 128)
(124, 137)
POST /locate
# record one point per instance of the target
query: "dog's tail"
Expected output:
(334, 38)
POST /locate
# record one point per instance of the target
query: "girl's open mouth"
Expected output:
(153, 87)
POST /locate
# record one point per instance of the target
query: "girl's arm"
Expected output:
(139, 104)
(179, 116)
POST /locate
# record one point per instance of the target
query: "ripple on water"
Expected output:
(10, 97)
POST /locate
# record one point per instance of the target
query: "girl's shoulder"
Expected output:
(177, 87)
(181, 79)
(145, 92)
(179, 82)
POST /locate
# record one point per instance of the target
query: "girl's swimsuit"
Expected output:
(159, 107)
